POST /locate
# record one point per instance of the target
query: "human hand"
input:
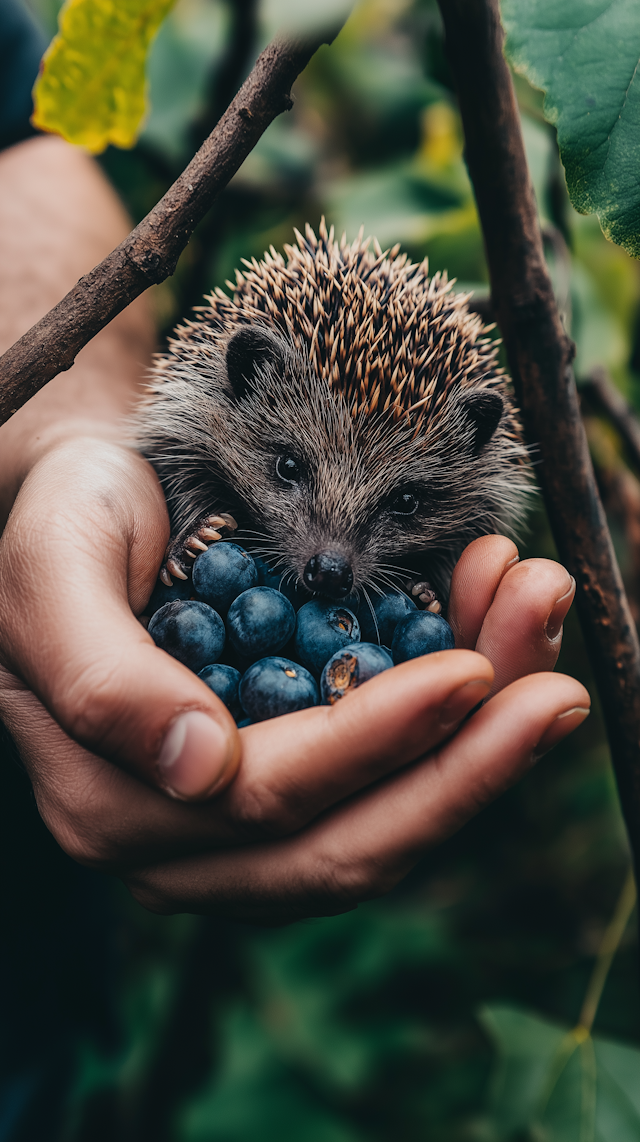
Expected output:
(330, 805)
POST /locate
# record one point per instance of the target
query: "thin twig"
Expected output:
(553, 241)
(150, 252)
(232, 69)
(620, 492)
(226, 80)
(579, 1037)
(540, 355)
(607, 950)
(603, 392)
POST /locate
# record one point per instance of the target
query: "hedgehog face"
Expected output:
(335, 501)
(354, 451)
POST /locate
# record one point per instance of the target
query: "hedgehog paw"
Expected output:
(183, 549)
(423, 596)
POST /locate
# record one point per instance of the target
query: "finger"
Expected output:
(475, 580)
(100, 814)
(68, 630)
(365, 846)
(293, 767)
(522, 630)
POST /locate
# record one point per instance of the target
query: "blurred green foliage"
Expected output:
(365, 1027)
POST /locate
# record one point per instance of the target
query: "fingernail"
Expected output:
(559, 610)
(563, 725)
(195, 756)
(462, 701)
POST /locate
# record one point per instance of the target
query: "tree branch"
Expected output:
(540, 355)
(606, 396)
(150, 252)
(620, 494)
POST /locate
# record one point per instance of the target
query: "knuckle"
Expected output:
(266, 813)
(82, 825)
(85, 849)
(351, 881)
(87, 703)
(147, 895)
(79, 841)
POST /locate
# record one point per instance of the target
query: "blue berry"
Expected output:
(421, 633)
(388, 611)
(275, 686)
(260, 622)
(221, 573)
(323, 626)
(161, 594)
(267, 577)
(350, 667)
(224, 681)
(190, 631)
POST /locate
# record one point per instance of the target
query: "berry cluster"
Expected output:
(231, 635)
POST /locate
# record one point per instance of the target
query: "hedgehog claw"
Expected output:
(424, 596)
(174, 569)
(186, 547)
(194, 544)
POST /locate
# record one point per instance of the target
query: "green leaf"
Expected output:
(92, 89)
(560, 1085)
(585, 55)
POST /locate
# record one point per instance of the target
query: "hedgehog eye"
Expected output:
(405, 503)
(288, 470)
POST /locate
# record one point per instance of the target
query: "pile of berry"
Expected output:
(232, 632)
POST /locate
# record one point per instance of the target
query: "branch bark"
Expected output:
(540, 355)
(150, 252)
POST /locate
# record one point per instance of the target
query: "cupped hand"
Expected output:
(303, 815)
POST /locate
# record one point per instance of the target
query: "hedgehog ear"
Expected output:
(484, 408)
(250, 349)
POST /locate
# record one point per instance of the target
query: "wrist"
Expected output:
(58, 218)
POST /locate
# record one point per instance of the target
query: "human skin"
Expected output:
(136, 766)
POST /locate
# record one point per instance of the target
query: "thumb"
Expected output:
(75, 642)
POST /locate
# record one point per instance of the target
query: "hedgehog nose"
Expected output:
(329, 573)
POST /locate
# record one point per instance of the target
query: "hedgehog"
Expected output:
(341, 413)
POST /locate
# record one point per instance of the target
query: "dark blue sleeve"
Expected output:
(22, 43)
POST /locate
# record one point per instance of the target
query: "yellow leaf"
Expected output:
(92, 87)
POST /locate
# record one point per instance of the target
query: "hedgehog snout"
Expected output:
(329, 573)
